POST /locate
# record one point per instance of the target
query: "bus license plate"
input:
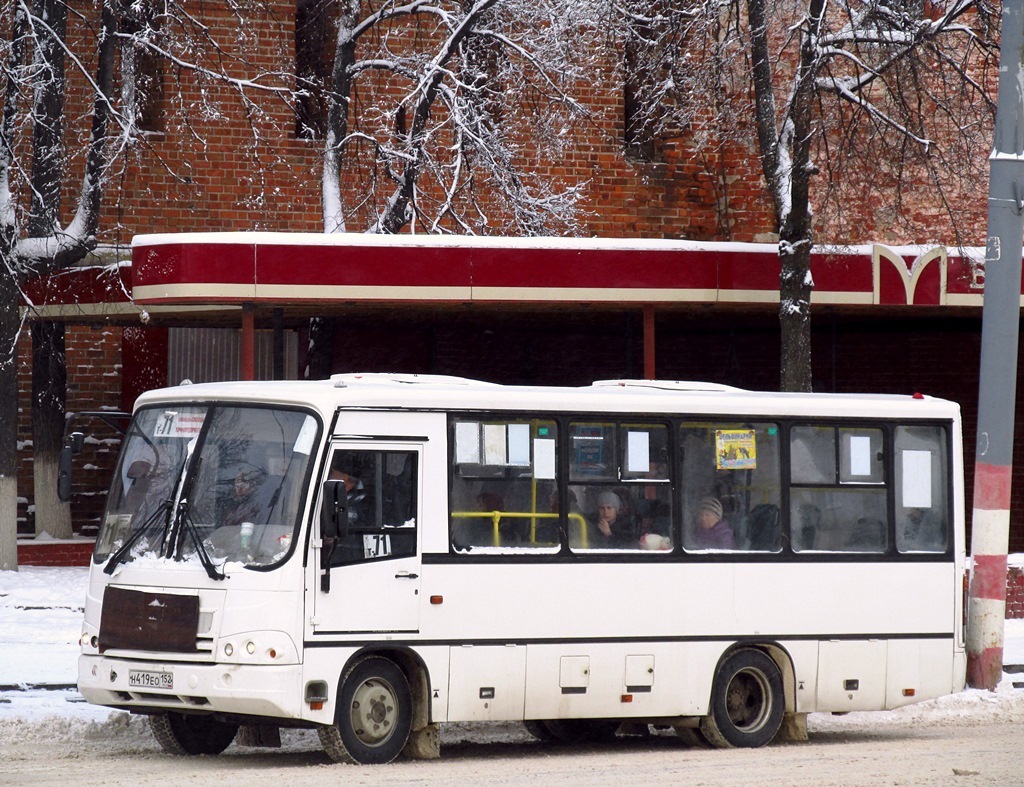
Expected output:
(150, 680)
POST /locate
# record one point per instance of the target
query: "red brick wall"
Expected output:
(1015, 592)
(54, 553)
(94, 384)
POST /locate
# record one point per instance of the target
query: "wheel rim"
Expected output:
(374, 711)
(748, 700)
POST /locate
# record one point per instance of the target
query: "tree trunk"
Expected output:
(49, 395)
(795, 317)
(10, 303)
(320, 355)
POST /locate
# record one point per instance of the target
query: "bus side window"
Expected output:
(736, 466)
(504, 488)
(838, 498)
(922, 516)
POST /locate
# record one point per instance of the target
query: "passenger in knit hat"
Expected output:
(713, 505)
(612, 528)
(713, 531)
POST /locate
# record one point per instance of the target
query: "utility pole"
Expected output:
(997, 391)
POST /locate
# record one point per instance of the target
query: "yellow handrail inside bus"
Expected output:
(497, 516)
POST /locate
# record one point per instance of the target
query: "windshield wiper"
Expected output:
(126, 547)
(212, 571)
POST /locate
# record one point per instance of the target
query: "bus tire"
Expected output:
(373, 717)
(181, 733)
(747, 703)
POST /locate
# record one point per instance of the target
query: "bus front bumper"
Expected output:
(146, 686)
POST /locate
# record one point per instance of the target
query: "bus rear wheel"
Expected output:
(747, 702)
(180, 733)
(373, 717)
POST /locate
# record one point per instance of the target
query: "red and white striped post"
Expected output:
(1000, 323)
(987, 612)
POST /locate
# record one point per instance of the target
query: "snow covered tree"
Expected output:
(439, 115)
(447, 111)
(849, 102)
(63, 150)
(33, 242)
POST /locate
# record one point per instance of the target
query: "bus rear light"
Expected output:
(250, 647)
(627, 697)
(229, 649)
(437, 599)
(909, 692)
(272, 653)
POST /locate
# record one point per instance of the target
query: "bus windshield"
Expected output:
(223, 481)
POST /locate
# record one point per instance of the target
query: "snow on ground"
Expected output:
(40, 622)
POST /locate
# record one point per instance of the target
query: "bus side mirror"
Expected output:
(334, 510)
(333, 525)
(72, 446)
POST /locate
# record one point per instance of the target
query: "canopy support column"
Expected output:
(649, 371)
(248, 342)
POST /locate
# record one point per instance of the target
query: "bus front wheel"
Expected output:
(747, 702)
(373, 716)
(180, 733)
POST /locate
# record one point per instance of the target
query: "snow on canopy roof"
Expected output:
(444, 241)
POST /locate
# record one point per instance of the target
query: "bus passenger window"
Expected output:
(620, 476)
(730, 486)
(838, 499)
(922, 516)
(504, 493)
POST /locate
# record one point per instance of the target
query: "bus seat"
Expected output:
(762, 531)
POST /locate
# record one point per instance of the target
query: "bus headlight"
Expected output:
(264, 647)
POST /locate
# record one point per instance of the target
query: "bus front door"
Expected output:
(374, 583)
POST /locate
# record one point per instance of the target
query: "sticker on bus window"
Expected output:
(544, 460)
(860, 456)
(735, 449)
(175, 424)
(917, 479)
(376, 546)
(638, 452)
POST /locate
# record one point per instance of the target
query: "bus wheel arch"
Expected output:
(748, 700)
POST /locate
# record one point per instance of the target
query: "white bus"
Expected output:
(374, 555)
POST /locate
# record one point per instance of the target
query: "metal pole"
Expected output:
(997, 391)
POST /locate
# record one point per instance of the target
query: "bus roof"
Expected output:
(438, 392)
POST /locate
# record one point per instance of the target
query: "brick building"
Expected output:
(243, 168)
